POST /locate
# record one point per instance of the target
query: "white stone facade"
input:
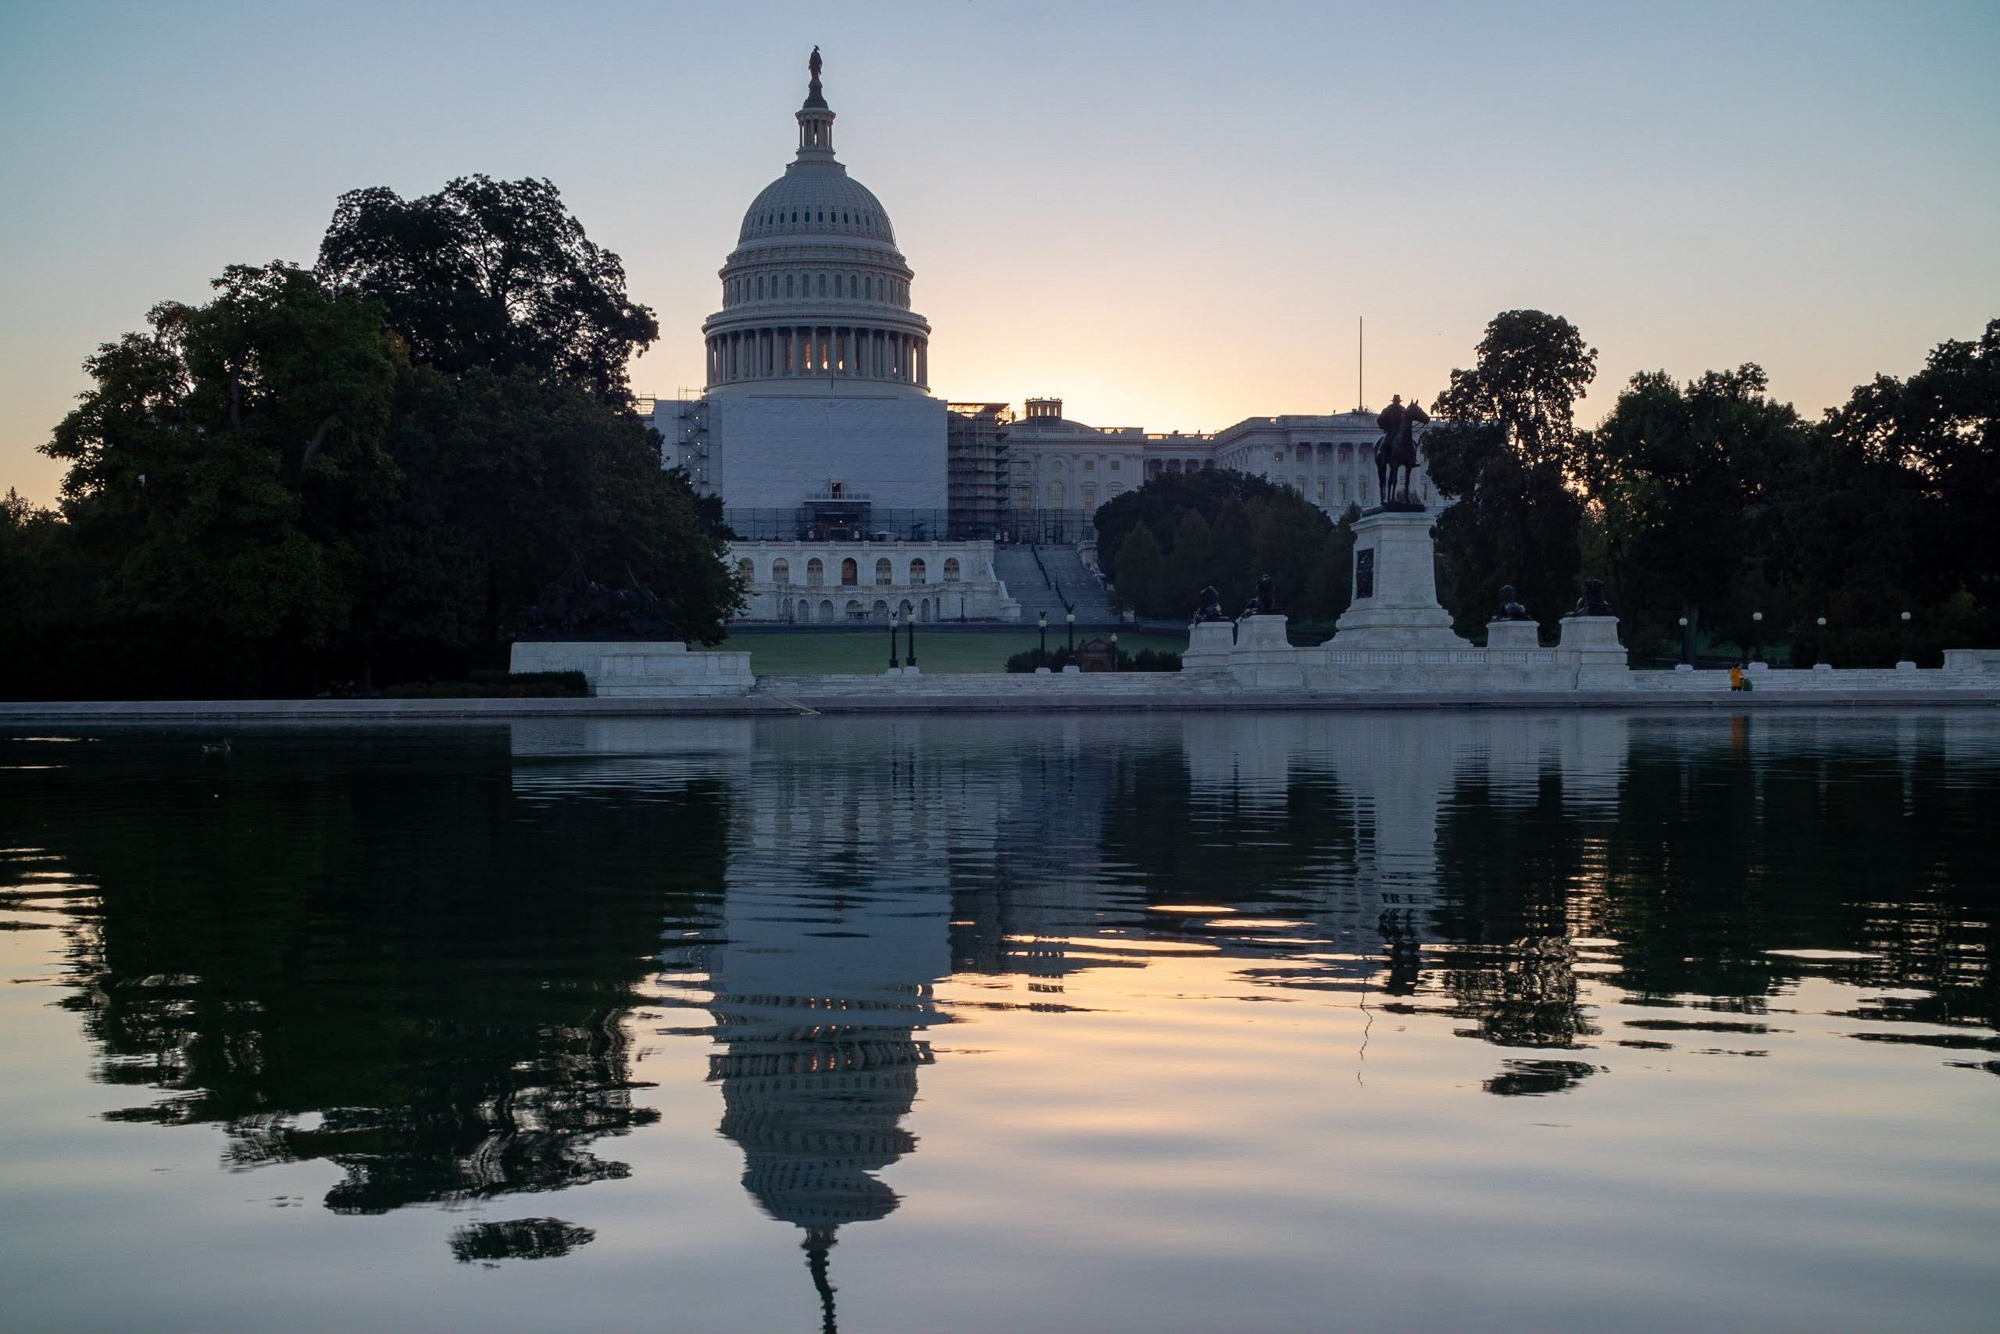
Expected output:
(833, 583)
(1056, 465)
(637, 668)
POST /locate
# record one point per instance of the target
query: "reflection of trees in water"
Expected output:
(1859, 844)
(367, 949)
(1531, 1079)
(518, 1239)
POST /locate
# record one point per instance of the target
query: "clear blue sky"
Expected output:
(1169, 214)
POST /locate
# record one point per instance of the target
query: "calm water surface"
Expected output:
(1370, 1022)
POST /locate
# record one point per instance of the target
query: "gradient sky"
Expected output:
(1168, 214)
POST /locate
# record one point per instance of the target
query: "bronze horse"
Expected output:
(1397, 449)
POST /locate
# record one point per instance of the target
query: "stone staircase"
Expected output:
(1051, 585)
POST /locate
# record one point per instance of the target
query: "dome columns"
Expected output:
(846, 351)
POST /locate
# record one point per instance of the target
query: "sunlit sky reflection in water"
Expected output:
(1360, 1021)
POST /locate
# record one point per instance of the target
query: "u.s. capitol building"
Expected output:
(852, 490)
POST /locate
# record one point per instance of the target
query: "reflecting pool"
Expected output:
(1498, 1021)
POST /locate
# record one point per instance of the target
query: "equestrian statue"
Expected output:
(1397, 449)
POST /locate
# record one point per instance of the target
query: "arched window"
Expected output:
(815, 573)
(781, 571)
(909, 613)
(746, 571)
(1055, 495)
(924, 610)
(853, 285)
(1090, 495)
(760, 287)
(826, 613)
(950, 569)
(881, 610)
(917, 571)
(882, 575)
(855, 611)
(805, 612)
(850, 573)
(788, 284)
(822, 284)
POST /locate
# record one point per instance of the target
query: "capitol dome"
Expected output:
(816, 293)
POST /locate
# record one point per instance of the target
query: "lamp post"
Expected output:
(1043, 622)
(1906, 638)
(1686, 661)
(892, 639)
(1756, 633)
(1070, 616)
(911, 621)
(1819, 644)
(1114, 650)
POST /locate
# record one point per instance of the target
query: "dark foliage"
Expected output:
(1505, 449)
(1163, 543)
(277, 491)
(490, 274)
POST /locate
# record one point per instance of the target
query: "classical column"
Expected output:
(923, 362)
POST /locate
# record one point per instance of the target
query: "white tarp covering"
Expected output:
(774, 453)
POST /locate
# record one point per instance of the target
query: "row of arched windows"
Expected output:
(915, 572)
(854, 286)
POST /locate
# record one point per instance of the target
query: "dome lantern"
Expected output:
(815, 117)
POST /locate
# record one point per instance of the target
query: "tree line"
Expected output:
(1711, 510)
(1182, 532)
(360, 471)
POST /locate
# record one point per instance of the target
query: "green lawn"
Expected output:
(840, 652)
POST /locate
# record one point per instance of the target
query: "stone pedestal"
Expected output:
(1395, 602)
(1264, 657)
(1590, 644)
(1512, 635)
(1209, 646)
(1261, 632)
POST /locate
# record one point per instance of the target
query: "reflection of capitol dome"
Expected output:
(819, 1002)
(816, 289)
(817, 1111)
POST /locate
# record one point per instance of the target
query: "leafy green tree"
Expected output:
(504, 477)
(1232, 548)
(1926, 453)
(1330, 582)
(1252, 527)
(492, 274)
(1141, 572)
(1189, 562)
(217, 466)
(1505, 449)
(1680, 475)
